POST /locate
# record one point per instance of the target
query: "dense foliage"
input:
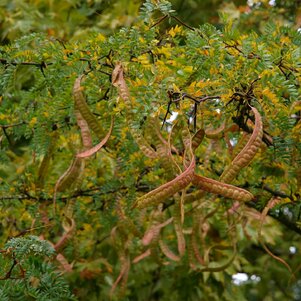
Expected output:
(153, 162)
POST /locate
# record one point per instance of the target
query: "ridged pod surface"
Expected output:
(247, 153)
(223, 189)
(241, 144)
(118, 81)
(167, 252)
(96, 148)
(215, 133)
(44, 166)
(70, 176)
(84, 129)
(168, 189)
(197, 139)
(82, 106)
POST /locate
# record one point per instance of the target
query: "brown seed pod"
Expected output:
(44, 166)
(82, 106)
(118, 81)
(225, 190)
(71, 174)
(247, 153)
(84, 128)
(167, 252)
(96, 148)
(168, 189)
(215, 133)
(197, 139)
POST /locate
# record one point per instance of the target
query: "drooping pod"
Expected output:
(44, 166)
(167, 251)
(168, 189)
(82, 106)
(215, 133)
(247, 153)
(96, 148)
(118, 81)
(70, 176)
(241, 144)
(84, 129)
(197, 139)
(223, 189)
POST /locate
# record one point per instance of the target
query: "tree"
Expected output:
(153, 163)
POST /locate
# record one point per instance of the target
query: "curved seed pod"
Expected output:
(121, 243)
(167, 252)
(163, 149)
(220, 188)
(215, 133)
(241, 144)
(67, 267)
(123, 274)
(71, 174)
(271, 203)
(197, 139)
(194, 196)
(163, 141)
(154, 231)
(44, 166)
(96, 148)
(221, 267)
(66, 236)
(84, 128)
(82, 106)
(180, 238)
(248, 152)
(69, 177)
(167, 190)
(125, 222)
(141, 256)
(118, 81)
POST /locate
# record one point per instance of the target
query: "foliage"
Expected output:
(162, 207)
(28, 276)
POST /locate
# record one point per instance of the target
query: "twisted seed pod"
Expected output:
(180, 237)
(70, 175)
(154, 231)
(247, 153)
(223, 266)
(163, 149)
(66, 236)
(84, 129)
(197, 139)
(96, 148)
(167, 252)
(141, 256)
(118, 81)
(194, 196)
(44, 166)
(168, 189)
(241, 144)
(225, 190)
(215, 133)
(82, 106)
